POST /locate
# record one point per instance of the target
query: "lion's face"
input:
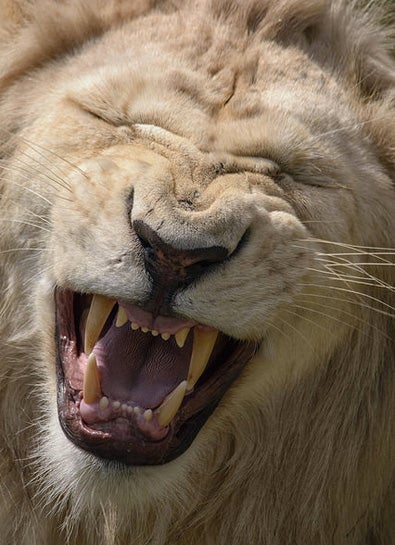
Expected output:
(176, 250)
(187, 198)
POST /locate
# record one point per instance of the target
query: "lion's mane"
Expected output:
(307, 459)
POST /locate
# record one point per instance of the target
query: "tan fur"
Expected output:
(300, 451)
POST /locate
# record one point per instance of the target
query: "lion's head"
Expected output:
(197, 223)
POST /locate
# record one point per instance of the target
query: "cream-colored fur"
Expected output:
(272, 116)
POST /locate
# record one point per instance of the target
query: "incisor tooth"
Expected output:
(101, 307)
(122, 317)
(148, 415)
(181, 336)
(135, 326)
(165, 336)
(172, 402)
(203, 344)
(104, 402)
(91, 385)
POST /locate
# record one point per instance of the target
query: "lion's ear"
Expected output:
(355, 45)
(35, 31)
(352, 42)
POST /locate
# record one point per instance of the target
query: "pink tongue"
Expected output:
(138, 368)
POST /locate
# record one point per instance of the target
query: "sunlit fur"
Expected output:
(300, 451)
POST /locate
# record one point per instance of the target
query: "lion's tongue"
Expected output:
(138, 368)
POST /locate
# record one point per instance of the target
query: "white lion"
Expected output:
(197, 216)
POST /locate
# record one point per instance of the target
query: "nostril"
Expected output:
(163, 259)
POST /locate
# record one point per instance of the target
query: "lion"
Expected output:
(197, 233)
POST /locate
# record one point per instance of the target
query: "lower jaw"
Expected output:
(134, 450)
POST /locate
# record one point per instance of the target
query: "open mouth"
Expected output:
(137, 388)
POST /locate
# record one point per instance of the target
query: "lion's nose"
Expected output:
(173, 266)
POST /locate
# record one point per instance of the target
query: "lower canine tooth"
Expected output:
(99, 311)
(167, 411)
(91, 384)
(181, 336)
(203, 344)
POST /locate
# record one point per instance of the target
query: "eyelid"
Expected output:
(256, 165)
(100, 114)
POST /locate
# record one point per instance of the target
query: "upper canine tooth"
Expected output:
(84, 316)
(203, 344)
(122, 317)
(99, 311)
(91, 385)
(172, 402)
(181, 336)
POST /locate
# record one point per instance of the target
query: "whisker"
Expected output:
(60, 173)
(27, 188)
(31, 212)
(330, 222)
(26, 223)
(342, 311)
(338, 277)
(376, 255)
(12, 250)
(357, 293)
(301, 316)
(28, 168)
(382, 263)
(57, 176)
(297, 331)
(36, 276)
(345, 245)
(342, 300)
(354, 126)
(271, 325)
(354, 279)
(35, 147)
(343, 254)
(349, 264)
